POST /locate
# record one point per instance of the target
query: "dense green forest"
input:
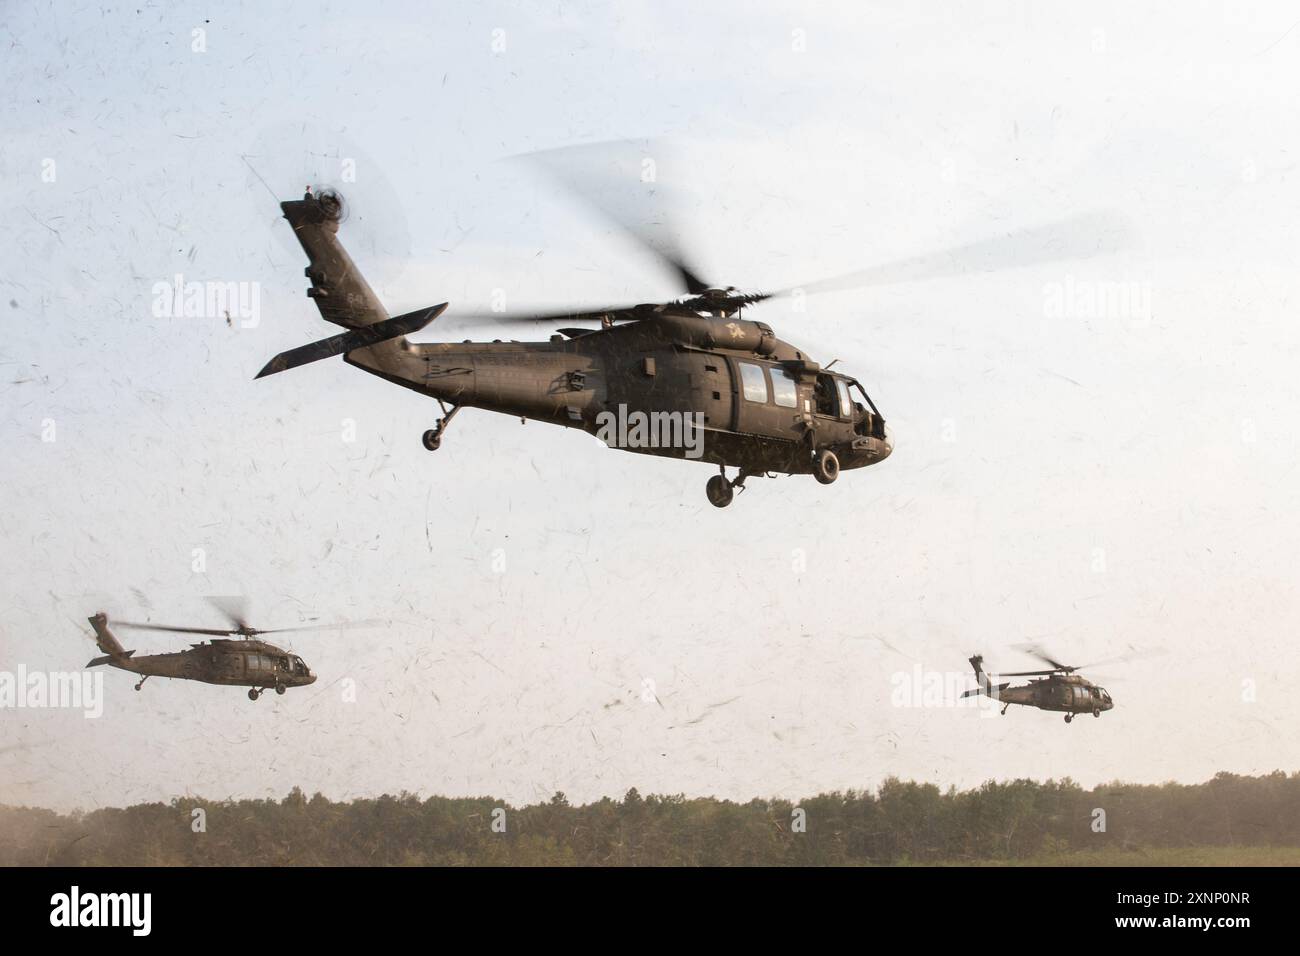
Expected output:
(899, 823)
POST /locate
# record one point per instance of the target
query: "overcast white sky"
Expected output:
(1101, 481)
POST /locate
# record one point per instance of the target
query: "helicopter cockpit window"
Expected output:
(827, 402)
(754, 382)
(298, 666)
(846, 403)
(785, 390)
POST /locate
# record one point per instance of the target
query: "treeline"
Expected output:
(899, 823)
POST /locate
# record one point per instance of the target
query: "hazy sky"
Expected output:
(1100, 479)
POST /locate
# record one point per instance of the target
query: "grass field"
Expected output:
(1159, 856)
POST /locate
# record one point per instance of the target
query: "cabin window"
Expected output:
(785, 390)
(754, 382)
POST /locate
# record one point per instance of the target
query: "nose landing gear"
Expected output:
(826, 466)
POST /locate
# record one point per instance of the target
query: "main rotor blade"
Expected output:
(617, 313)
(234, 608)
(1076, 237)
(1027, 673)
(175, 630)
(1126, 658)
(578, 168)
(337, 626)
(1035, 650)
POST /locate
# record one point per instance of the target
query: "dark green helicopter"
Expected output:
(690, 379)
(247, 661)
(1061, 688)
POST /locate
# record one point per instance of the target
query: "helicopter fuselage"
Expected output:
(676, 386)
(242, 663)
(1068, 694)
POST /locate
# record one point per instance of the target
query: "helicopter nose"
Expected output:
(889, 441)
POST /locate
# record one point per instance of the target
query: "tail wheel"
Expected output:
(719, 491)
(826, 466)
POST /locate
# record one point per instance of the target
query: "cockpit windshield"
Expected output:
(872, 424)
(846, 403)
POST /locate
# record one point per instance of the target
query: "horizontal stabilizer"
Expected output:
(358, 338)
(109, 658)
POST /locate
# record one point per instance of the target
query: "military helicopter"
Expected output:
(244, 662)
(1060, 690)
(690, 379)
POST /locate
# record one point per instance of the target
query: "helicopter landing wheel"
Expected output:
(279, 688)
(719, 491)
(1069, 717)
(826, 466)
(1096, 713)
(432, 438)
(254, 693)
(140, 683)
